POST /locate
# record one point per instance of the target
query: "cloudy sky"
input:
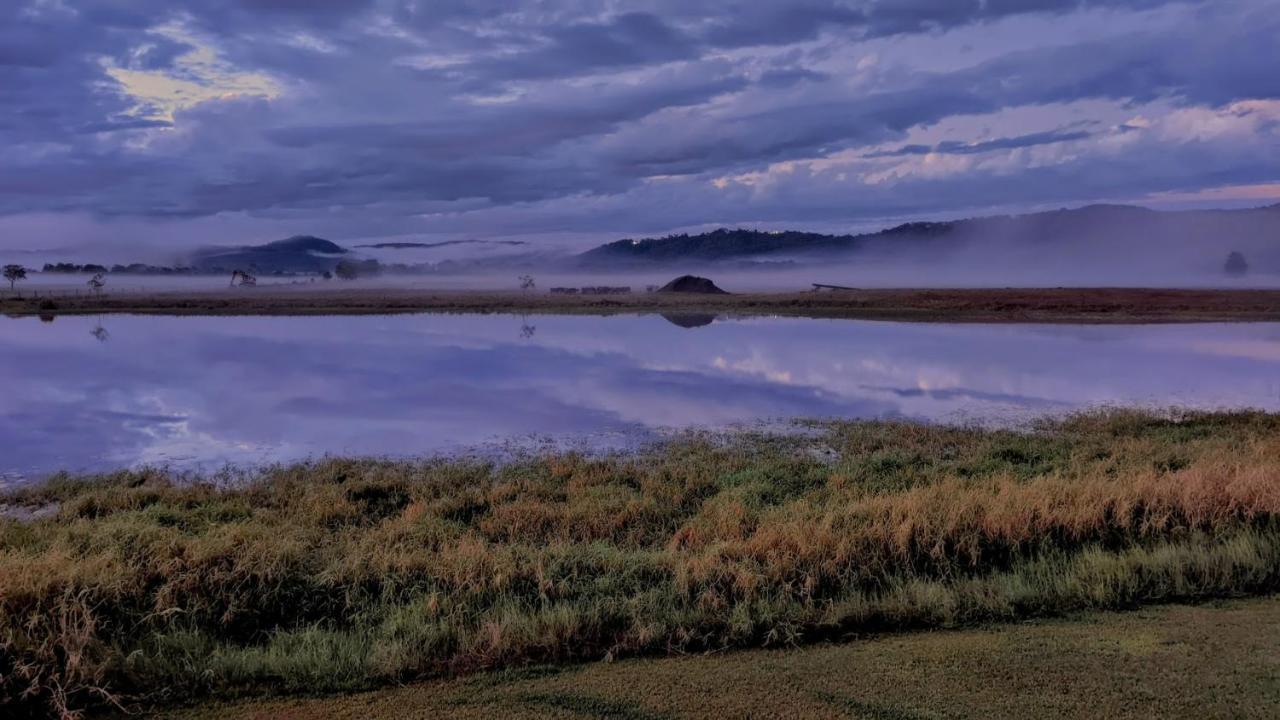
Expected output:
(182, 122)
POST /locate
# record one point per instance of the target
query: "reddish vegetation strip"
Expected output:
(1076, 305)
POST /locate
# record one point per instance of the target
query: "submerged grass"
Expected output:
(348, 574)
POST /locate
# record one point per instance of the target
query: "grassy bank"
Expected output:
(1043, 305)
(1212, 660)
(343, 575)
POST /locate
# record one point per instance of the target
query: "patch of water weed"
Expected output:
(868, 710)
(512, 676)
(592, 706)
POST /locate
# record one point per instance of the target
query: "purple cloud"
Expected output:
(359, 118)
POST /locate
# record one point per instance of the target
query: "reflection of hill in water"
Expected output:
(689, 320)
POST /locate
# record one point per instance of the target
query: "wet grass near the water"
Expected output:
(1212, 660)
(345, 575)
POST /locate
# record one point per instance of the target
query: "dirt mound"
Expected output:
(692, 284)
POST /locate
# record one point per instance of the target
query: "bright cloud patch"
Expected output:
(197, 76)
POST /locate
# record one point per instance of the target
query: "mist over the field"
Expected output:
(1115, 246)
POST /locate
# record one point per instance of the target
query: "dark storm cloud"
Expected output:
(1210, 68)
(952, 147)
(637, 38)
(752, 23)
(395, 108)
(579, 48)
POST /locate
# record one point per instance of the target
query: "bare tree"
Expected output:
(14, 273)
(96, 283)
(526, 283)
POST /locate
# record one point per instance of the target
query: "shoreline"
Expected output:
(991, 305)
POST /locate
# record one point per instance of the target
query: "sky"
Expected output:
(177, 123)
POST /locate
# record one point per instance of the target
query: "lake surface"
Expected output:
(85, 393)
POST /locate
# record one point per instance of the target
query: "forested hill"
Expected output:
(1122, 226)
(727, 243)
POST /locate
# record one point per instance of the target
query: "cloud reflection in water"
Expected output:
(200, 392)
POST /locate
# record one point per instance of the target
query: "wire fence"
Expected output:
(60, 292)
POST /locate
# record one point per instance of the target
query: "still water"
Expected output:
(83, 393)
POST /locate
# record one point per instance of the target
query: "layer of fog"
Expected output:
(872, 275)
(1090, 247)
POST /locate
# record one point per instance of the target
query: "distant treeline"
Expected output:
(591, 290)
(131, 269)
(351, 268)
(144, 269)
(73, 268)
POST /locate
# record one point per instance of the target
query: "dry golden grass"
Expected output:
(347, 574)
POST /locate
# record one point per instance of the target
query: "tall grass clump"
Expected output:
(345, 574)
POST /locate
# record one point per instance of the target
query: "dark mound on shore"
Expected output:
(692, 284)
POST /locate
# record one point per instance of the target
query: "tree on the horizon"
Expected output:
(14, 273)
(346, 270)
(1236, 264)
(96, 283)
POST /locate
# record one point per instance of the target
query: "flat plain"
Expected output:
(1030, 305)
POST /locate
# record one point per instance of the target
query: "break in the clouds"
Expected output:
(194, 121)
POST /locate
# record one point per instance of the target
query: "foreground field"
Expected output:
(1061, 305)
(1167, 662)
(142, 589)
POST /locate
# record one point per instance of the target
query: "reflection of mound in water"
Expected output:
(689, 320)
(48, 310)
(692, 284)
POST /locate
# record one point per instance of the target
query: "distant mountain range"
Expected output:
(737, 243)
(444, 243)
(1113, 227)
(1089, 237)
(304, 254)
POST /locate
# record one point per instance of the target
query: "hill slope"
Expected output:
(301, 253)
(1092, 228)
